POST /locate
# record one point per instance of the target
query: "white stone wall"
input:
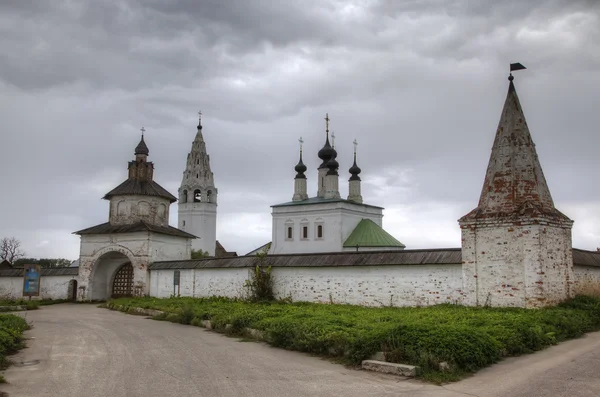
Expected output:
(586, 280)
(338, 219)
(51, 287)
(409, 285)
(132, 209)
(521, 266)
(199, 282)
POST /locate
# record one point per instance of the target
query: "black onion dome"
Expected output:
(141, 148)
(354, 171)
(326, 153)
(300, 169)
(333, 165)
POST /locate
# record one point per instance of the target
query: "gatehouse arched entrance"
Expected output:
(112, 276)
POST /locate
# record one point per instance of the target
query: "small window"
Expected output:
(320, 231)
(183, 223)
(197, 196)
(304, 231)
(289, 232)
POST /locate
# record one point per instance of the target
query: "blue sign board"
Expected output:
(31, 282)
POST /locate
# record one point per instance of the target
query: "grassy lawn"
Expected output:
(11, 336)
(466, 338)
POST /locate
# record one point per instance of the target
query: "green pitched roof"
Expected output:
(368, 234)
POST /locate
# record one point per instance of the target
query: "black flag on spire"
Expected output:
(516, 66)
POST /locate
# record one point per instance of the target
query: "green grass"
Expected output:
(466, 338)
(11, 337)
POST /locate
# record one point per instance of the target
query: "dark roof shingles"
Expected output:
(107, 228)
(371, 258)
(55, 271)
(134, 186)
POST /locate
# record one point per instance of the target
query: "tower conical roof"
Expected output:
(514, 184)
(197, 171)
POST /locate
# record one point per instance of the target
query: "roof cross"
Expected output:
(355, 145)
(301, 142)
(332, 139)
(327, 122)
(143, 130)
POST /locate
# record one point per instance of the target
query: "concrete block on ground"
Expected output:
(390, 368)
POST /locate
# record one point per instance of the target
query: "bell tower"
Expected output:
(197, 212)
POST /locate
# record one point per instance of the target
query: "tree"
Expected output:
(199, 254)
(43, 262)
(10, 249)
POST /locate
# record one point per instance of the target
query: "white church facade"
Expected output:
(516, 245)
(327, 222)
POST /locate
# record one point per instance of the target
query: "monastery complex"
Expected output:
(516, 245)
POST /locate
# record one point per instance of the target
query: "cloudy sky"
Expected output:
(419, 83)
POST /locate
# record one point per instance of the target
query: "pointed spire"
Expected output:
(142, 148)
(514, 183)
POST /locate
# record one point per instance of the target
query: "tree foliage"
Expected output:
(44, 262)
(10, 249)
(199, 254)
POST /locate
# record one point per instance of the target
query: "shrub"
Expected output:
(260, 283)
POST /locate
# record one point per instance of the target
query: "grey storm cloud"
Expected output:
(420, 85)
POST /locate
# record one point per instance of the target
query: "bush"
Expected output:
(260, 283)
(11, 336)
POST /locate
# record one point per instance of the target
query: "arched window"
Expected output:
(184, 196)
(197, 196)
(121, 208)
(208, 196)
(290, 233)
(143, 208)
(319, 231)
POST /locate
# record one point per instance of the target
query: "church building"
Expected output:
(327, 222)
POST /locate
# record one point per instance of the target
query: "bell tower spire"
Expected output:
(198, 196)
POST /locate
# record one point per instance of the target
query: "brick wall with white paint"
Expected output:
(522, 266)
(410, 285)
(586, 280)
(51, 287)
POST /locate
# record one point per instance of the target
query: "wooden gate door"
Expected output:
(123, 282)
